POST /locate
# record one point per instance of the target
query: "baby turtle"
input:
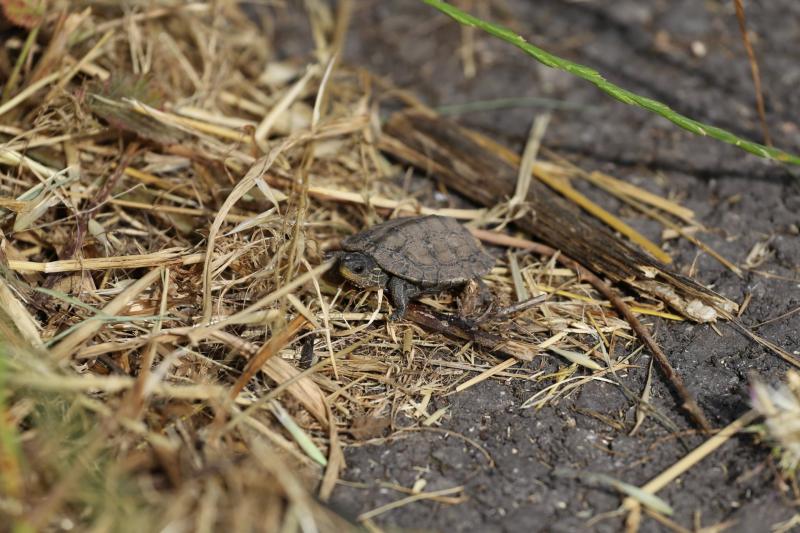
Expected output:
(411, 256)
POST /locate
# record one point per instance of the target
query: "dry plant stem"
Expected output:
(296, 383)
(379, 202)
(674, 526)
(409, 499)
(269, 349)
(116, 383)
(157, 12)
(518, 307)
(335, 459)
(29, 91)
(754, 70)
(450, 500)
(448, 433)
(344, 16)
(63, 80)
(161, 258)
(52, 55)
(766, 343)
(787, 314)
(623, 189)
(136, 398)
(693, 457)
(486, 374)
(12, 312)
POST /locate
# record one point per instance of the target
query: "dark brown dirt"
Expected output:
(646, 46)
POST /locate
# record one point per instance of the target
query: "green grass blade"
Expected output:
(297, 433)
(623, 95)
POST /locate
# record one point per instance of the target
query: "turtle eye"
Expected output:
(358, 268)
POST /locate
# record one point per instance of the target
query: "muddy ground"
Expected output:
(689, 55)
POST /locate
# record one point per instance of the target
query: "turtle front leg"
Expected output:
(401, 292)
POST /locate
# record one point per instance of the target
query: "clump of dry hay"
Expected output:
(173, 355)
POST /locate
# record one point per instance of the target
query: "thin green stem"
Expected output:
(23, 56)
(623, 95)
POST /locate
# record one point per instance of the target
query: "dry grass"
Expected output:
(174, 355)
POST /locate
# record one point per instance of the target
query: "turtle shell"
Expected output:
(429, 251)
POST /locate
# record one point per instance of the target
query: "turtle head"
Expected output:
(362, 271)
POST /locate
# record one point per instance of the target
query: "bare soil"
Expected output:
(689, 55)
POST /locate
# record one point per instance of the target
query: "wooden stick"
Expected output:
(464, 329)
